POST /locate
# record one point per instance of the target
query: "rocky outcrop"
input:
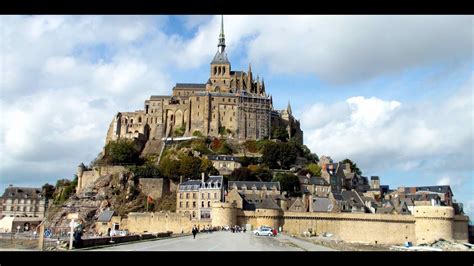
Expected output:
(119, 192)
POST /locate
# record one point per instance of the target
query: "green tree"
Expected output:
(261, 173)
(279, 155)
(197, 133)
(170, 168)
(242, 174)
(314, 169)
(280, 133)
(121, 151)
(288, 182)
(225, 149)
(146, 171)
(48, 190)
(189, 166)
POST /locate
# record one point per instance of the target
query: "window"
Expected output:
(139, 119)
(181, 204)
(202, 196)
(215, 195)
(209, 204)
(187, 204)
(194, 195)
(194, 204)
(187, 195)
(202, 204)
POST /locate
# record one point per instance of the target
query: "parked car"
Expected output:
(263, 231)
(227, 228)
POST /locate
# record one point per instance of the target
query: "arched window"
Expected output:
(131, 121)
(202, 204)
(139, 119)
(215, 71)
(209, 204)
(223, 70)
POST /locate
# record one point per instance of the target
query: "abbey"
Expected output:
(230, 103)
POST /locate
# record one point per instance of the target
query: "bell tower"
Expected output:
(220, 65)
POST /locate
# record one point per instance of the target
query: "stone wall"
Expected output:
(461, 228)
(88, 177)
(162, 222)
(353, 227)
(429, 224)
(154, 187)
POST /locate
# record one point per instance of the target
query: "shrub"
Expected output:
(197, 133)
(121, 152)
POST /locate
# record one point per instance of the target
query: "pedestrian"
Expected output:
(194, 231)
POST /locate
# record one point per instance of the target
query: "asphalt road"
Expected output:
(221, 241)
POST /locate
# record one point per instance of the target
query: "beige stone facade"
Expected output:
(23, 202)
(197, 196)
(231, 102)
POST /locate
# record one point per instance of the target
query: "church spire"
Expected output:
(221, 44)
(288, 109)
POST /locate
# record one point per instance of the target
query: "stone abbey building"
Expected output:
(230, 102)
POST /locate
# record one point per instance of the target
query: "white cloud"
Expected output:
(380, 134)
(339, 49)
(448, 181)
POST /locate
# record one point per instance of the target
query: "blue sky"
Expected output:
(392, 93)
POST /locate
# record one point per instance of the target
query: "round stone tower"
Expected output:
(224, 213)
(433, 223)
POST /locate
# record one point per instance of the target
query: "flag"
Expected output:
(149, 199)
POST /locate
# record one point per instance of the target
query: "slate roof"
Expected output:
(22, 193)
(156, 97)
(253, 201)
(374, 178)
(438, 189)
(352, 197)
(190, 85)
(105, 216)
(321, 204)
(220, 58)
(196, 184)
(257, 184)
(268, 203)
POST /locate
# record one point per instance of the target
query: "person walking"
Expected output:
(194, 231)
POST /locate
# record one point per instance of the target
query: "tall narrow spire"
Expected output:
(288, 108)
(221, 44)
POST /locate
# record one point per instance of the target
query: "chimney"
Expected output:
(202, 176)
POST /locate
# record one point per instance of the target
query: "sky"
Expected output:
(392, 93)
